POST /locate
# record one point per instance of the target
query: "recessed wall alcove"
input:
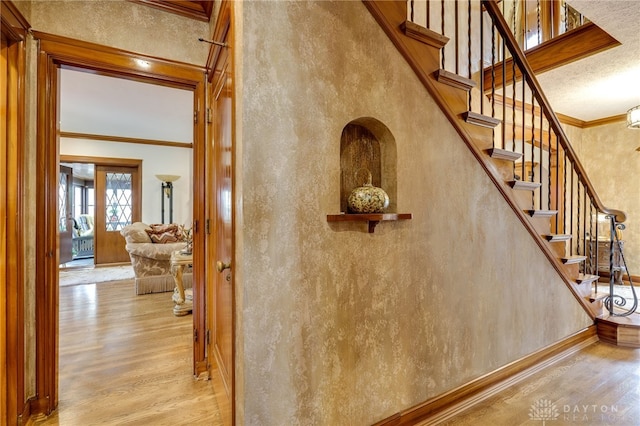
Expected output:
(368, 146)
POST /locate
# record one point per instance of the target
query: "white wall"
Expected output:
(155, 160)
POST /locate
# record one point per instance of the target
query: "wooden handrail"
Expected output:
(491, 6)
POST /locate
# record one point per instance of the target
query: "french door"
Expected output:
(65, 214)
(117, 190)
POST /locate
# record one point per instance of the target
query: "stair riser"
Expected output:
(504, 168)
(573, 270)
(597, 307)
(584, 290)
(559, 248)
(541, 224)
(523, 198)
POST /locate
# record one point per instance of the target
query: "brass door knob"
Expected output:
(221, 266)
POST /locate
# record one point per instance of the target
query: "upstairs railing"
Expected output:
(478, 34)
(532, 22)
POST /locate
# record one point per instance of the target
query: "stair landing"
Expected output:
(621, 331)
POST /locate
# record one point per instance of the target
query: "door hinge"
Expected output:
(209, 115)
(195, 116)
(195, 334)
(208, 337)
(207, 226)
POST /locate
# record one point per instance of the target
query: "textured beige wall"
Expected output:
(125, 25)
(337, 325)
(609, 156)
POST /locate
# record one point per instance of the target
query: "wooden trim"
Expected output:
(56, 52)
(199, 10)
(102, 161)
(122, 63)
(221, 32)
(14, 28)
(606, 120)
(448, 404)
(14, 25)
(564, 49)
(124, 139)
(565, 119)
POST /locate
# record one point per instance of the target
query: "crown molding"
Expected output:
(199, 10)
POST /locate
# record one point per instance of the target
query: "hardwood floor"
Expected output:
(600, 385)
(126, 359)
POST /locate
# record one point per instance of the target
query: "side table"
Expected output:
(182, 298)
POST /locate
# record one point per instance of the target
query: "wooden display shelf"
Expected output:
(371, 218)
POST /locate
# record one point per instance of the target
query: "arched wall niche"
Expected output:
(367, 144)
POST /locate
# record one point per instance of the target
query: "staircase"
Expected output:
(459, 51)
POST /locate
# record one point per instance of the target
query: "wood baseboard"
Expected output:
(35, 409)
(447, 405)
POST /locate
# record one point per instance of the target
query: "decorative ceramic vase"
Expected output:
(367, 198)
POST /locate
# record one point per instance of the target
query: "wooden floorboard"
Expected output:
(126, 359)
(600, 385)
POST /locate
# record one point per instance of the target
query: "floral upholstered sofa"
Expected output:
(150, 248)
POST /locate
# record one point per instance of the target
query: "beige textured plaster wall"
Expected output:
(125, 25)
(336, 325)
(609, 156)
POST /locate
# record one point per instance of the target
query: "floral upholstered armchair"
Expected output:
(150, 248)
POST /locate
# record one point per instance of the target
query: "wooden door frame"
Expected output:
(55, 52)
(13, 404)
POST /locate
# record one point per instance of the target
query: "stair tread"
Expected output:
(455, 80)
(586, 278)
(568, 260)
(480, 119)
(557, 237)
(504, 154)
(424, 35)
(524, 185)
(541, 213)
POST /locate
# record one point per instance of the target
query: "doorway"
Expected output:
(53, 56)
(103, 196)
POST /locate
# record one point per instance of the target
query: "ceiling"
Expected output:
(101, 105)
(606, 84)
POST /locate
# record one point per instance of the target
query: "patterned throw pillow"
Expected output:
(164, 234)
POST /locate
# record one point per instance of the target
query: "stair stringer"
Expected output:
(424, 59)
